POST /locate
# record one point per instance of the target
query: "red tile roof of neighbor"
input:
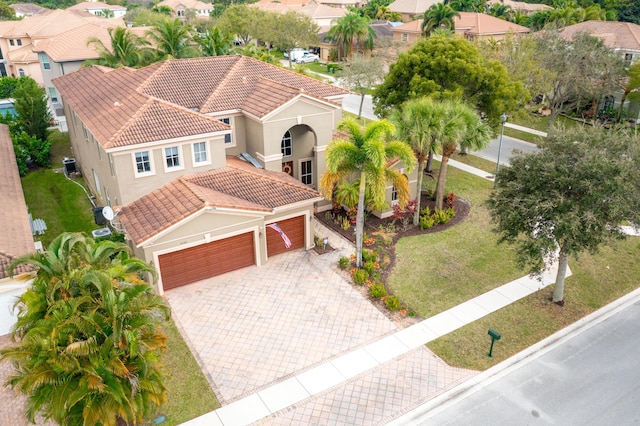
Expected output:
(470, 23)
(616, 35)
(125, 106)
(15, 236)
(239, 186)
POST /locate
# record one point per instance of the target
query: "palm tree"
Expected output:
(366, 153)
(462, 127)
(467, 5)
(88, 338)
(420, 123)
(352, 28)
(215, 42)
(125, 49)
(439, 15)
(173, 39)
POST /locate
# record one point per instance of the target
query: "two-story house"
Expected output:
(182, 7)
(164, 142)
(624, 38)
(66, 52)
(100, 9)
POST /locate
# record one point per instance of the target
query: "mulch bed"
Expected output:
(375, 226)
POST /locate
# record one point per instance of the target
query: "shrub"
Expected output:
(426, 222)
(392, 302)
(345, 223)
(369, 256)
(343, 262)
(440, 216)
(370, 267)
(360, 276)
(425, 212)
(450, 199)
(377, 291)
(329, 216)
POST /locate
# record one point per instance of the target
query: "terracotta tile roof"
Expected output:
(238, 186)
(616, 35)
(15, 237)
(90, 5)
(526, 8)
(23, 55)
(412, 7)
(115, 105)
(46, 25)
(29, 9)
(187, 4)
(310, 8)
(471, 23)
(72, 45)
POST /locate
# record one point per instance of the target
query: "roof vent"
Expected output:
(116, 104)
(245, 156)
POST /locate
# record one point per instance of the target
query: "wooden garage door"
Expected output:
(294, 228)
(206, 260)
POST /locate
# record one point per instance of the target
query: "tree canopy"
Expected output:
(32, 109)
(88, 335)
(362, 75)
(570, 197)
(450, 68)
(125, 49)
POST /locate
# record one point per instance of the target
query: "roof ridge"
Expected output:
(633, 33)
(143, 85)
(147, 104)
(193, 187)
(222, 82)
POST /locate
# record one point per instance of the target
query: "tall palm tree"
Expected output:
(87, 335)
(420, 123)
(173, 39)
(366, 153)
(215, 42)
(462, 127)
(352, 28)
(125, 49)
(439, 15)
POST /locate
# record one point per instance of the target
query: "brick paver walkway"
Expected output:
(260, 324)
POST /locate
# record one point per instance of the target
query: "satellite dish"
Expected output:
(107, 212)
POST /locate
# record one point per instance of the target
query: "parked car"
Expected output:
(296, 52)
(307, 58)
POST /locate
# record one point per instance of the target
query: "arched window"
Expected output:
(21, 72)
(286, 145)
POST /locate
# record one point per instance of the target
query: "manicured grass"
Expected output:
(435, 272)
(321, 68)
(189, 394)
(477, 162)
(596, 281)
(523, 136)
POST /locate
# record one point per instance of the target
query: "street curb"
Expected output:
(484, 379)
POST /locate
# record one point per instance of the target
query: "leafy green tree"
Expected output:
(7, 86)
(259, 53)
(478, 6)
(30, 148)
(366, 153)
(461, 127)
(439, 15)
(349, 29)
(450, 68)
(32, 110)
(241, 20)
(632, 87)
(173, 39)
(568, 198)
(293, 29)
(362, 75)
(125, 49)
(88, 336)
(215, 42)
(582, 68)
(7, 13)
(163, 10)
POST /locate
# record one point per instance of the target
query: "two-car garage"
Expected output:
(214, 258)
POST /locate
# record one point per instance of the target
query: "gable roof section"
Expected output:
(412, 7)
(237, 186)
(615, 35)
(15, 239)
(117, 115)
(45, 25)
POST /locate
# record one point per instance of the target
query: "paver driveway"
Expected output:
(261, 324)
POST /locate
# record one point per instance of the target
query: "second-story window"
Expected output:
(172, 157)
(45, 62)
(286, 146)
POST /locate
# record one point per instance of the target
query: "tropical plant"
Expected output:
(32, 109)
(632, 87)
(173, 40)
(125, 49)
(215, 42)
(349, 29)
(365, 153)
(439, 15)
(87, 335)
(462, 127)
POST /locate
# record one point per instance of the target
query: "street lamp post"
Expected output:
(503, 119)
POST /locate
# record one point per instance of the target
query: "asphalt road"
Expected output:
(509, 145)
(351, 103)
(592, 378)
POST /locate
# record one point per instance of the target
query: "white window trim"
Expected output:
(193, 153)
(304, 160)
(180, 165)
(290, 144)
(135, 164)
(231, 144)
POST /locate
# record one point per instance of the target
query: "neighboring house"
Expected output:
(624, 38)
(16, 239)
(522, 7)
(28, 9)
(471, 26)
(321, 14)
(19, 38)
(332, 3)
(162, 141)
(410, 9)
(97, 8)
(66, 52)
(180, 7)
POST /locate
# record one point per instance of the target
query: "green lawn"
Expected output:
(64, 206)
(477, 162)
(435, 272)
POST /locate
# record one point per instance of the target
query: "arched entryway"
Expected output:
(298, 155)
